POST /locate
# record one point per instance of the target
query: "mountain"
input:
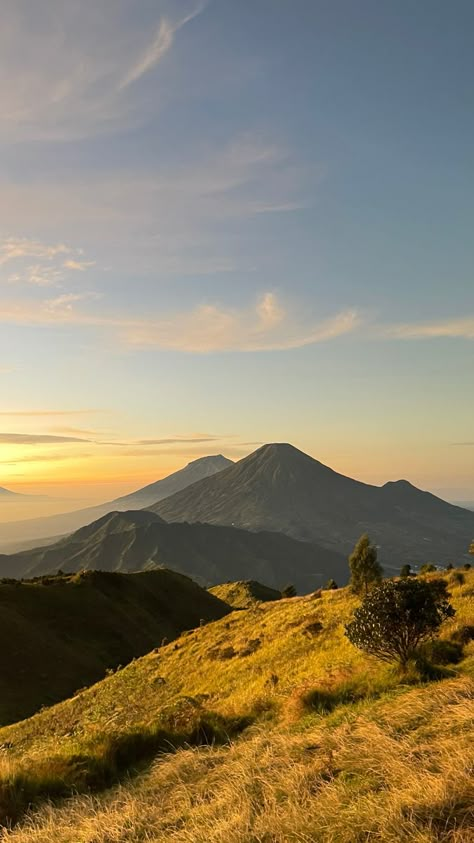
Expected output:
(280, 488)
(7, 495)
(18, 535)
(192, 472)
(141, 540)
(64, 632)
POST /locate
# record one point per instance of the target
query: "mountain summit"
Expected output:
(280, 488)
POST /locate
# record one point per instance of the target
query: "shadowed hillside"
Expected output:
(131, 541)
(64, 632)
(280, 488)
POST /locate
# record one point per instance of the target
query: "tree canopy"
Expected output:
(364, 567)
(397, 616)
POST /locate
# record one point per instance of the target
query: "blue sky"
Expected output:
(235, 222)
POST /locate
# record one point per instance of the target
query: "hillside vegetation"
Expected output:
(62, 633)
(244, 595)
(335, 747)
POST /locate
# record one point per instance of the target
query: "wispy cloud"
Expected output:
(157, 49)
(462, 328)
(49, 270)
(70, 77)
(268, 326)
(36, 439)
(20, 413)
(78, 266)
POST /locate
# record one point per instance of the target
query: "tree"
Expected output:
(471, 548)
(365, 570)
(397, 616)
(331, 585)
(288, 591)
(427, 568)
(405, 571)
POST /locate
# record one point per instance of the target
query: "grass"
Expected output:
(340, 745)
(245, 593)
(61, 633)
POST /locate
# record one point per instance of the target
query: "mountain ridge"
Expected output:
(39, 529)
(280, 488)
(211, 554)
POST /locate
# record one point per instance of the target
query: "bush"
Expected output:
(405, 571)
(331, 585)
(458, 578)
(397, 616)
(288, 591)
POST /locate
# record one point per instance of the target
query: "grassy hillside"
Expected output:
(243, 595)
(62, 633)
(340, 749)
(141, 540)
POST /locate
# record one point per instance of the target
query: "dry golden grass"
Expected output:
(389, 762)
(398, 771)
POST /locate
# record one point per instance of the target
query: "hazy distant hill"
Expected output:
(139, 540)
(280, 488)
(64, 633)
(18, 535)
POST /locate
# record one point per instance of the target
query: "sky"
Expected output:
(233, 222)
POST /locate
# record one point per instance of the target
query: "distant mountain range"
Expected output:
(279, 488)
(65, 633)
(7, 495)
(141, 540)
(20, 534)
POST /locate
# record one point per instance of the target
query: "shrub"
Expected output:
(396, 617)
(458, 578)
(331, 585)
(365, 570)
(288, 591)
(405, 571)
(467, 566)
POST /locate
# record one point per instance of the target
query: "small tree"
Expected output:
(405, 571)
(427, 568)
(397, 616)
(471, 548)
(331, 585)
(365, 570)
(288, 591)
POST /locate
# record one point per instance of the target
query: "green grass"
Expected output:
(244, 594)
(62, 633)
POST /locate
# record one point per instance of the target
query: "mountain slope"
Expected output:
(280, 488)
(131, 541)
(64, 632)
(339, 749)
(21, 533)
(243, 595)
